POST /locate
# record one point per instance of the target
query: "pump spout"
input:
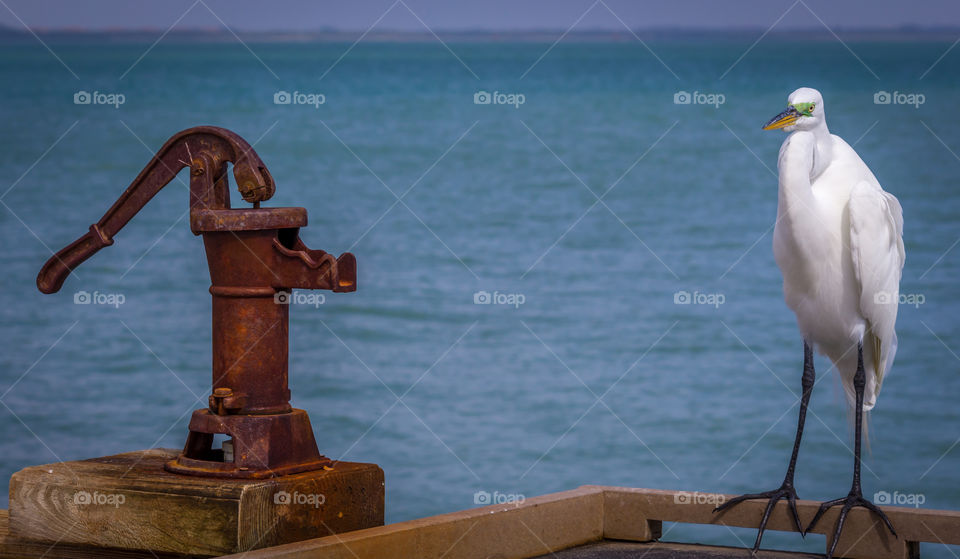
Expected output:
(297, 266)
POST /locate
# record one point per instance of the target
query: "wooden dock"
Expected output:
(591, 521)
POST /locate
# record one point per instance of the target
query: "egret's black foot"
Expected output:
(785, 491)
(853, 499)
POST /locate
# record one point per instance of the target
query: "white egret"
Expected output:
(838, 243)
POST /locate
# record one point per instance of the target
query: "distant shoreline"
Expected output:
(11, 35)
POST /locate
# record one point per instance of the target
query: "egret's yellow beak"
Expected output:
(782, 120)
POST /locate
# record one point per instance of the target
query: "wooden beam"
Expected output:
(624, 514)
(16, 548)
(864, 536)
(129, 501)
(544, 525)
(538, 526)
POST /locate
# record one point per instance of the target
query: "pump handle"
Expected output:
(206, 150)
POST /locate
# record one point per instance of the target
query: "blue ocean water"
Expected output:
(599, 376)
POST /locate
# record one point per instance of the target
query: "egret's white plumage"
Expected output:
(838, 242)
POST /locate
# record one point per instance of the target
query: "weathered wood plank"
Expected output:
(864, 537)
(129, 501)
(544, 525)
(14, 548)
(537, 526)
(548, 524)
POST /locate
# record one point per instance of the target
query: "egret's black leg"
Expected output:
(786, 490)
(855, 497)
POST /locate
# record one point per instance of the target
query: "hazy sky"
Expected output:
(478, 14)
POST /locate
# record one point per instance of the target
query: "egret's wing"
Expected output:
(876, 243)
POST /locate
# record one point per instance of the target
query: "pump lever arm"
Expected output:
(206, 150)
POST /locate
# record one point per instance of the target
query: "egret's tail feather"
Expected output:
(879, 364)
(865, 427)
(866, 431)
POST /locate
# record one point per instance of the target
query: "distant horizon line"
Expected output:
(901, 28)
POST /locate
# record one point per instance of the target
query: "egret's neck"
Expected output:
(804, 155)
(823, 150)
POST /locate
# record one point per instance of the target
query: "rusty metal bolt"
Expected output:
(217, 400)
(235, 402)
(224, 401)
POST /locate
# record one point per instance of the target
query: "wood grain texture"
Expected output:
(16, 548)
(129, 501)
(864, 537)
(541, 526)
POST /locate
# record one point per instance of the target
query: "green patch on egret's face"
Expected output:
(789, 117)
(806, 109)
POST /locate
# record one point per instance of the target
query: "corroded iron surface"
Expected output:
(256, 257)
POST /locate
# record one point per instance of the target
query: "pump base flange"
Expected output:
(264, 446)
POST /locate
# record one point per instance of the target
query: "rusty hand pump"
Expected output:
(254, 255)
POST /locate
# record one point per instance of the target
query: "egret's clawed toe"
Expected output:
(853, 499)
(785, 491)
